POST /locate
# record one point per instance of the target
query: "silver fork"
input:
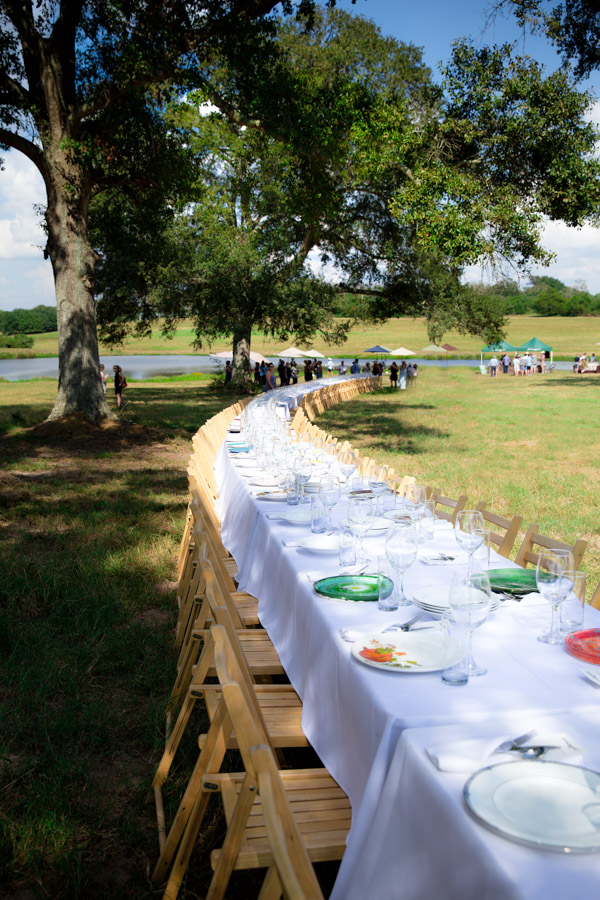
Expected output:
(514, 743)
(403, 626)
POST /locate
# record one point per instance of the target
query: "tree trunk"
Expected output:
(242, 337)
(73, 263)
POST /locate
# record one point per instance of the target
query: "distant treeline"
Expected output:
(28, 321)
(545, 296)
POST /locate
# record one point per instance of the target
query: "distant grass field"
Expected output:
(567, 336)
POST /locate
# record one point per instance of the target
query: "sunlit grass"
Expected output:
(566, 335)
(527, 446)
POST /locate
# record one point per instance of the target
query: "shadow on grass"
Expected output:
(86, 658)
(382, 424)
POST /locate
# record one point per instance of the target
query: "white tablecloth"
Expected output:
(422, 843)
(352, 714)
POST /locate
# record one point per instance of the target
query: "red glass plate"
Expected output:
(585, 645)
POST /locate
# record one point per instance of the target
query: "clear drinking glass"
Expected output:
(572, 608)
(387, 578)
(378, 476)
(414, 498)
(470, 599)
(360, 517)
(329, 493)
(555, 577)
(303, 470)
(469, 530)
(401, 546)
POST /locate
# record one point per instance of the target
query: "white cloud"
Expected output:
(21, 187)
(577, 252)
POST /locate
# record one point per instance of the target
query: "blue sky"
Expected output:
(26, 279)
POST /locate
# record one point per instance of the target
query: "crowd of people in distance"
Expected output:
(521, 364)
(267, 377)
(404, 375)
(582, 361)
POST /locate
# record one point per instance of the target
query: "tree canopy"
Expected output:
(82, 87)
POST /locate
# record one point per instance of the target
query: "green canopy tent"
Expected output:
(496, 348)
(535, 344)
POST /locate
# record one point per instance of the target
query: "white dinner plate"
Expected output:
(296, 516)
(379, 524)
(549, 805)
(264, 481)
(397, 515)
(436, 599)
(403, 651)
(276, 496)
(320, 543)
(245, 463)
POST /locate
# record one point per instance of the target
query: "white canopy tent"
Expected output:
(402, 351)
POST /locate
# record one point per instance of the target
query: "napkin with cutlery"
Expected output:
(470, 754)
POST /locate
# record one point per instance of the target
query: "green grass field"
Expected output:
(527, 446)
(567, 336)
(91, 523)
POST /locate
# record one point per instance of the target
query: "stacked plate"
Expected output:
(436, 600)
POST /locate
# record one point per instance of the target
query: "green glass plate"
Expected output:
(351, 587)
(513, 581)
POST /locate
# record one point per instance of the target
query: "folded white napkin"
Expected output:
(434, 559)
(473, 753)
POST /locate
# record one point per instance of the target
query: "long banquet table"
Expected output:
(361, 721)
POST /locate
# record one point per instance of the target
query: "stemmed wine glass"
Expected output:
(303, 470)
(360, 517)
(378, 476)
(470, 599)
(347, 463)
(555, 577)
(414, 498)
(329, 494)
(401, 546)
(469, 530)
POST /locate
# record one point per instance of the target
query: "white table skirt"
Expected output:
(352, 714)
(422, 843)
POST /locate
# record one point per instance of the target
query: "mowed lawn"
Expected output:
(527, 446)
(566, 335)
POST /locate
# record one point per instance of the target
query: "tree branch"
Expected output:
(28, 148)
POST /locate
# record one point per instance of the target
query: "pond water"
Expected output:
(147, 366)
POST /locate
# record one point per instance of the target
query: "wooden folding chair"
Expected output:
(455, 506)
(508, 529)
(278, 705)
(319, 806)
(595, 601)
(258, 648)
(533, 539)
(292, 874)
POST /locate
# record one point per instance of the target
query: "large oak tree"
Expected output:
(82, 83)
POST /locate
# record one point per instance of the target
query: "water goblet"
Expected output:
(555, 577)
(347, 463)
(414, 498)
(469, 530)
(401, 546)
(470, 600)
(360, 517)
(329, 493)
(378, 483)
(303, 470)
